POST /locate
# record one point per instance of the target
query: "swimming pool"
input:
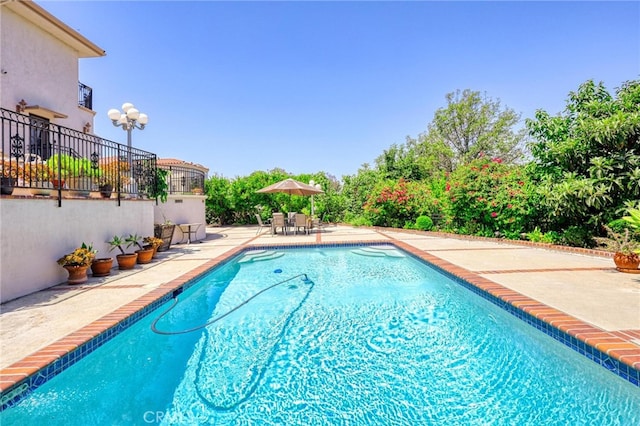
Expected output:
(373, 336)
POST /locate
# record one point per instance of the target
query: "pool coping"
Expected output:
(608, 349)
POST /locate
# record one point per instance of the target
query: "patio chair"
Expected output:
(301, 222)
(262, 224)
(278, 222)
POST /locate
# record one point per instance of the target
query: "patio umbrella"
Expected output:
(291, 187)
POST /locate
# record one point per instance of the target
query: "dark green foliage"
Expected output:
(160, 188)
(576, 236)
(463, 174)
(587, 161)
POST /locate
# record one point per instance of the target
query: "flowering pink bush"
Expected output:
(486, 197)
(399, 204)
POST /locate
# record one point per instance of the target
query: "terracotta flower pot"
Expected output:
(77, 274)
(57, 183)
(154, 248)
(626, 262)
(127, 261)
(144, 255)
(101, 267)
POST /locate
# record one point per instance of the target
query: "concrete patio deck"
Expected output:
(578, 293)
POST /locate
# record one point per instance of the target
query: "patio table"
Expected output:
(189, 229)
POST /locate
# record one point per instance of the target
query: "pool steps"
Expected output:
(378, 251)
(257, 255)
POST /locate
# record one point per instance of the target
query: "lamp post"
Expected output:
(317, 186)
(130, 119)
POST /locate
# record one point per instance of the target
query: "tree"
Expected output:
(217, 203)
(417, 159)
(472, 125)
(588, 159)
(356, 190)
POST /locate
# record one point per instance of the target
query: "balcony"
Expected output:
(40, 158)
(184, 180)
(85, 96)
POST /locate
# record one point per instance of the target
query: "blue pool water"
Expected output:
(373, 337)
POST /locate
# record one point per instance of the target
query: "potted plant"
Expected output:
(38, 175)
(77, 172)
(114, 175)
(60, 166)
(144, 254)
(625, 250)
(164, 231)
(101, 267)
(9, 173)
(105, 186)
(152, 242)
(125, 260)
(77, 262)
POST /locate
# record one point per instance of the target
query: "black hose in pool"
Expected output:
(216, 319)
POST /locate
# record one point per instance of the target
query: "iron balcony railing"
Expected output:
(184, 180)
(85, 96)
(40, 158)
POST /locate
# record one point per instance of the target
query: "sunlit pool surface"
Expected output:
(371, 337)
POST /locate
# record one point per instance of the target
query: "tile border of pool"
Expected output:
(604, 348)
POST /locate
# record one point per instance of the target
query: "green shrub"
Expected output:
(424, 223)
(619, 225)
(576, 236)
(360, 221)
(486, 196)
(538, 236)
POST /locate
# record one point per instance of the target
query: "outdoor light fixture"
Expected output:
(130, 119)
(316, 186)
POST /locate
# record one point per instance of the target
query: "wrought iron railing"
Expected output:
(85, 96)
(184, 180)
(44, 159)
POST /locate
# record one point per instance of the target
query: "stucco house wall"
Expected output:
(31, 242)
(39, 63)
(182, 209)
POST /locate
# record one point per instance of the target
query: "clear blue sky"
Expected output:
(327, 86)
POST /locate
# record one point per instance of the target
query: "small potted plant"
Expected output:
(125, 260)
(77, 262)
(144, 254)
(38, 176)
(152, 242)
(625, 250)
(105, 186)
(9, 173)
(101, 267)
(164, 231)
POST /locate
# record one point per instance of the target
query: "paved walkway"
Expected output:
(583, 294)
